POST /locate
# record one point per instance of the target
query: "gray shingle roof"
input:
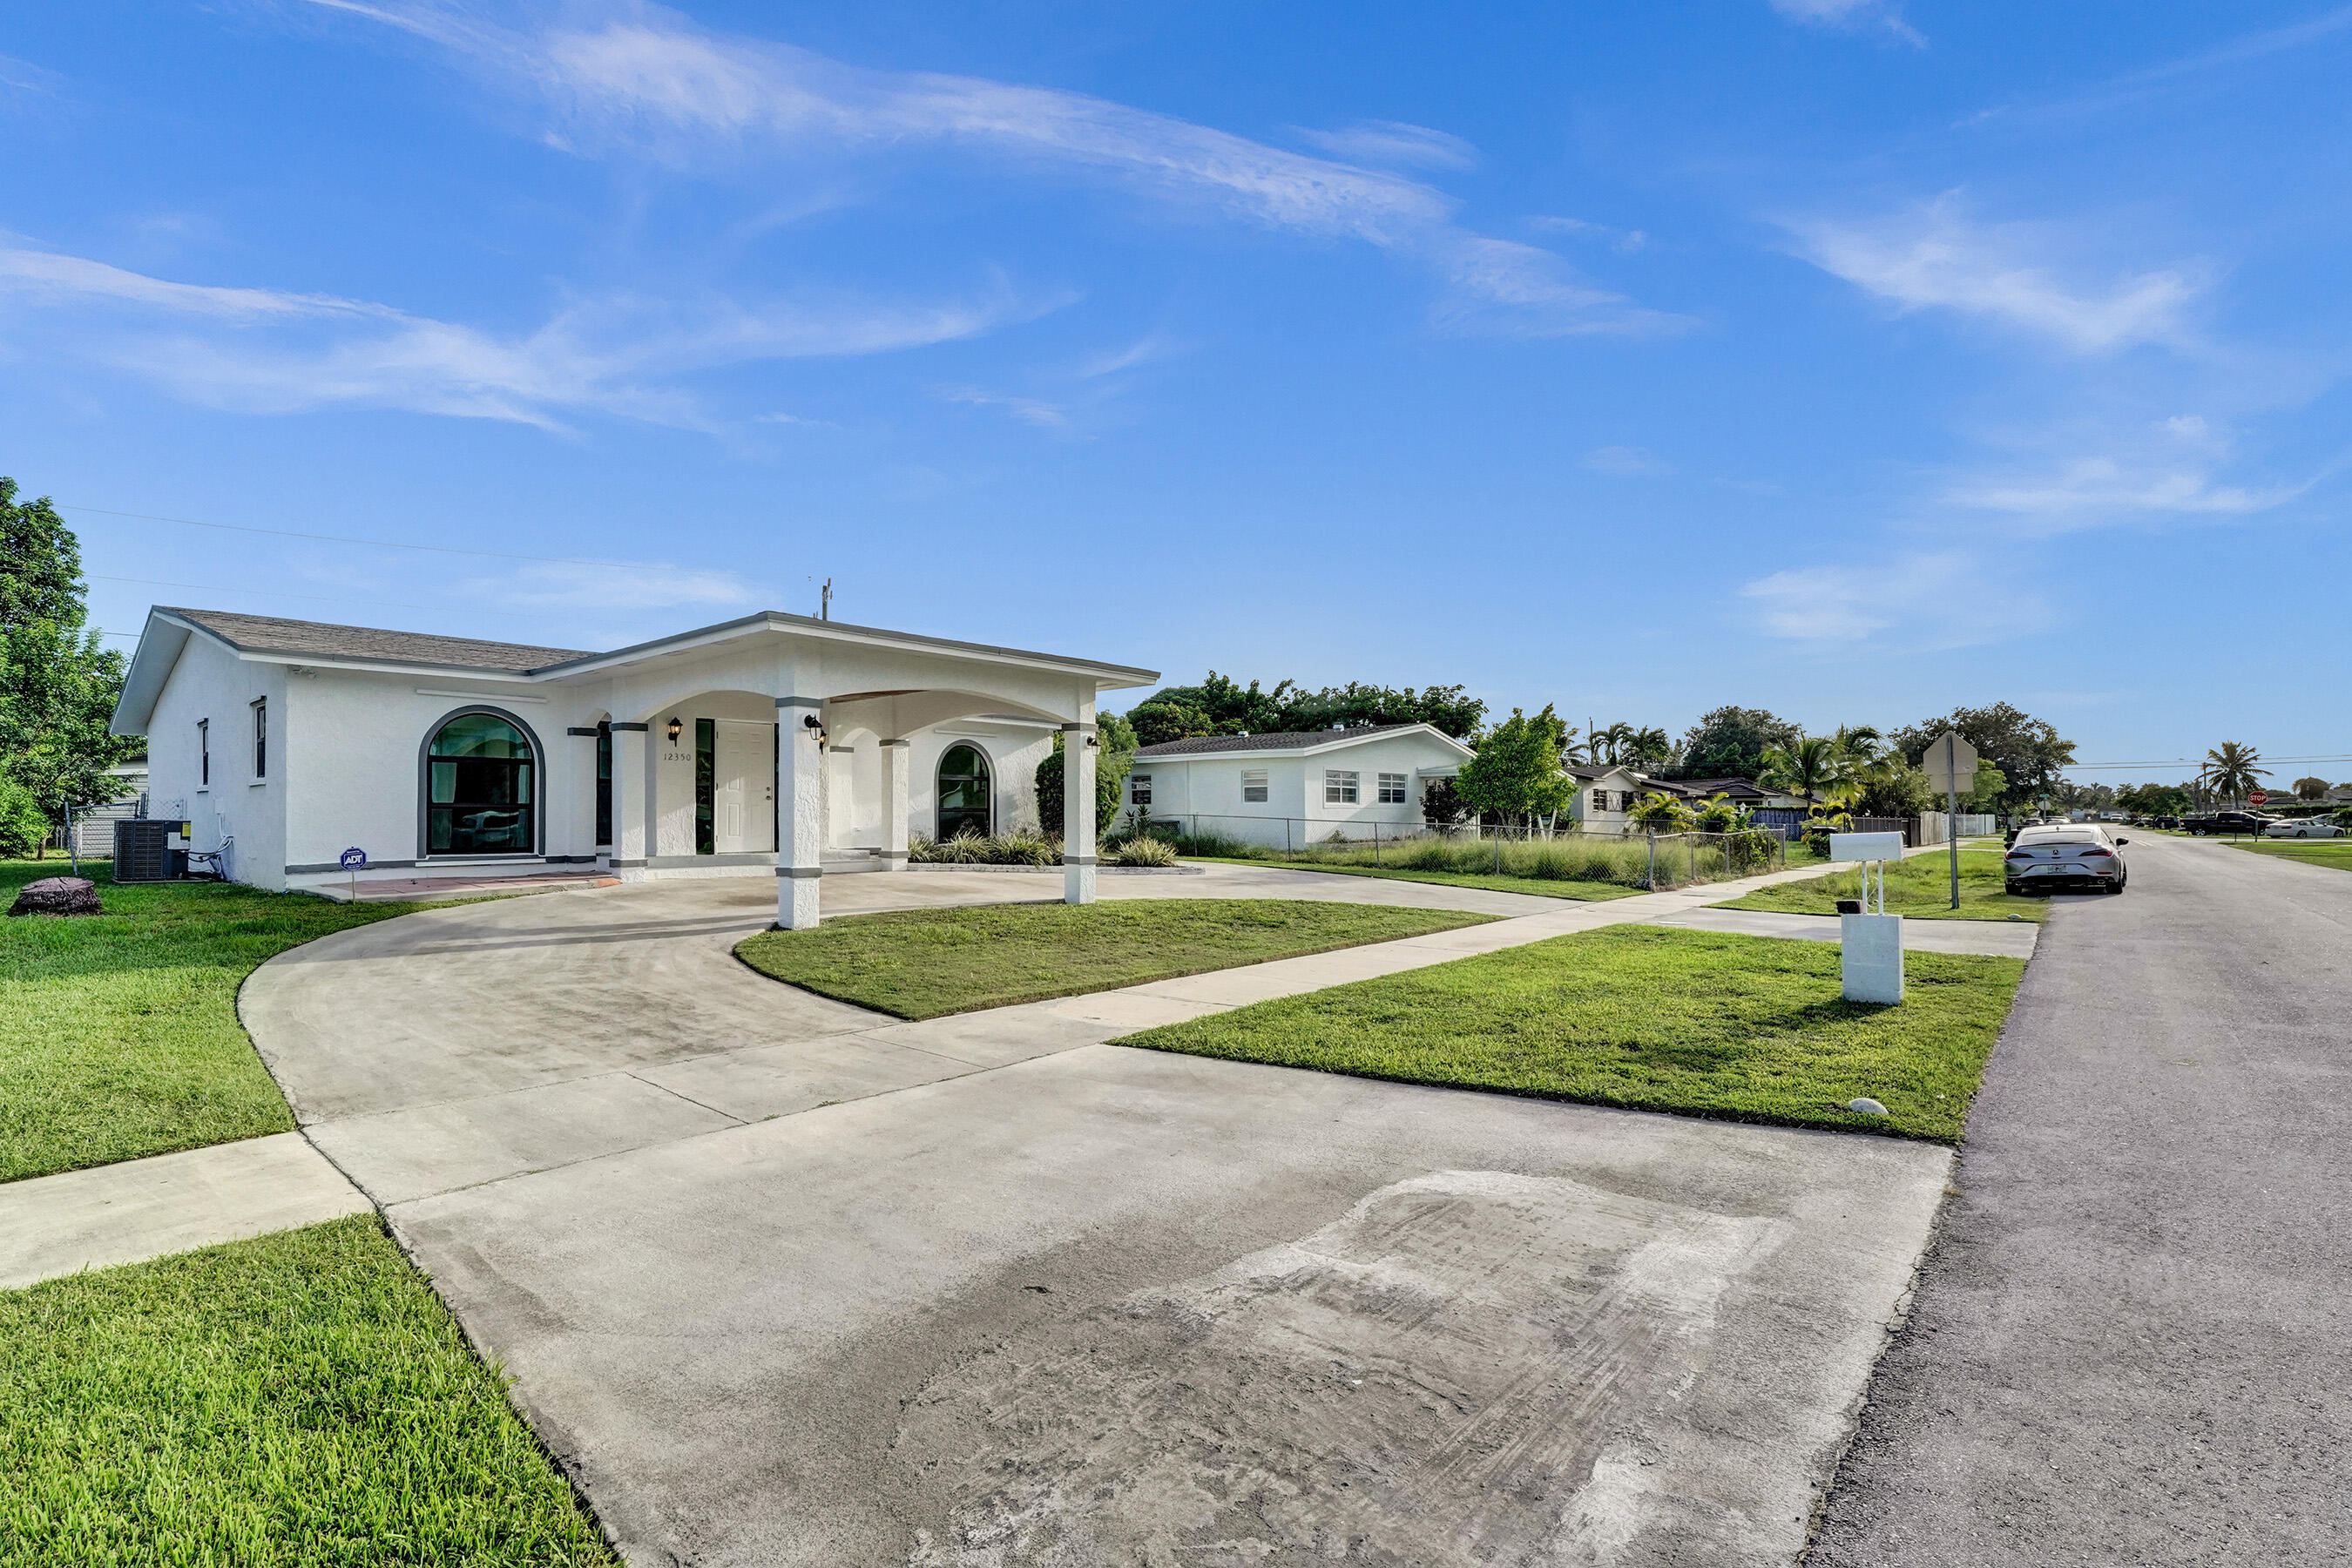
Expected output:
(268, 634)
(1283, 740)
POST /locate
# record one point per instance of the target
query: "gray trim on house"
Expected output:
(1285, 740)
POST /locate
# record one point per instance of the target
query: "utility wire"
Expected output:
(325, 599)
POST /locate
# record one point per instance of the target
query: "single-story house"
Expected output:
(1295, 789)
(772, 744)
(1606, 792)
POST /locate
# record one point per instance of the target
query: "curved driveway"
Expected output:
(781, 1281)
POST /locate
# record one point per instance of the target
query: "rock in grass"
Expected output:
(57, 895)
(1866, 1107)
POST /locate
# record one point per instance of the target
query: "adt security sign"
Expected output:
(353, 860)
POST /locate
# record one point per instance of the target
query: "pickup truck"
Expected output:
(2245, 822)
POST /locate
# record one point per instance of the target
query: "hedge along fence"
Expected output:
(1668, 860)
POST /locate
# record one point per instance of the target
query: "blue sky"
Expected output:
(1849, 358)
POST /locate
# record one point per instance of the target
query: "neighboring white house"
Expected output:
(1605, 793)
(1296, 788)
(287, 743)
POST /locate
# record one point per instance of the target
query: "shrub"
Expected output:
(1144, 851)
(1021, 846)
(22, 827)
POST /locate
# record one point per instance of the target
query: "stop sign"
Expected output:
(2257, 796)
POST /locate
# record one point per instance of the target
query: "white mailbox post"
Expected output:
(1872, 944)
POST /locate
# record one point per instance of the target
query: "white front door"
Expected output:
(743, 788)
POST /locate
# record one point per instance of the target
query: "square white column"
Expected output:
(897, 758)
(800, 807)
(1077, 814)
(632, 799)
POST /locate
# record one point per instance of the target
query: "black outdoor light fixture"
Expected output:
(810, 721)
(676, 729)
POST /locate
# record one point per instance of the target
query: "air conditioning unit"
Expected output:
(143, 852)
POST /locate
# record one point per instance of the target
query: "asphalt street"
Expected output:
(2132, 1341)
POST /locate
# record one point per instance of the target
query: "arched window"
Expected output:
(963, 792)
(478, 797)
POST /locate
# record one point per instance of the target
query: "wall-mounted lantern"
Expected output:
(676, 729)
(810, 722)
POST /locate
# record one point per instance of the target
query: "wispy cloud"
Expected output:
(1395, 143)
(22, 82)
(2091, 492)
(1921, 601)
(652, 586)
(1625, 462)
(1624, 241)
(1028, 410)
(647, 81)
(269, 350)
(1879, 16)
(1934, 256)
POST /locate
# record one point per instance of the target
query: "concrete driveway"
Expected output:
(784, 1282)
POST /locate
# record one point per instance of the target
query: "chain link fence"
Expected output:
(1561, 853)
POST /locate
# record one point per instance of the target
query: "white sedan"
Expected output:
(2303, 828)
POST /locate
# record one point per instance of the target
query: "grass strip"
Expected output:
(1920, 886)
(1541, 887)
(1700, 1023)
(119, 1035)
(2334, 853)
(301, 1399)
(924, 964)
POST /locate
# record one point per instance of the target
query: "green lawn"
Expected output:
(119, 1035)
(300, 1398)
(1920, 886)
(923, 963)
(1541, 887)
(2335, 853)
(1748, 1029)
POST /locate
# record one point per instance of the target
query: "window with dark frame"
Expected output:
(604, 782)
(479, 798)
(706, 786)
(204, 753)
(1138, 789)
(1600, 800)
(964, 794)
(260, 738)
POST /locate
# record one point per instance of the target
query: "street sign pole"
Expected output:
(1952, 810)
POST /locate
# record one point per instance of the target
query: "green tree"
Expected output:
(1221, 706)
(1516, 773)
(2029, 752)
(1649, 749)
(1721, 814)
(1658, 812)
(1731, 741)
(1815, 767)
(58, 682)
(2230, 770)
(2311, 789)
(1991, 785)
(1113, 762)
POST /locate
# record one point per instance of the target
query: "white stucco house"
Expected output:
(1296, 788)
(1607, 792)
(774, 744)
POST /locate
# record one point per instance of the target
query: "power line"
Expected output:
(378, 543)
(2194, 763)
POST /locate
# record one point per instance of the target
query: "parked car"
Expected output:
(2212, 822)
(2303, 828)
(2053, 859)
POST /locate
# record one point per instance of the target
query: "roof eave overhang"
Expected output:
(1107, 677)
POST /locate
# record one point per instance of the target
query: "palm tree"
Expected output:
(1610, 744)
(1816, 767)
(1648, 748)
(2230, 770)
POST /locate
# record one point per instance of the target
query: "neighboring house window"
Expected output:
(204, 753)
(1625, 800)
(479, 798)
(261, 739)
(1338, 788)
(1138, 789)
(1600, 800)
(1253, 785)
(964, 794)
(1392, 789)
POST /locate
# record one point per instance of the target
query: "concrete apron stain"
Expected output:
(1469, 1366)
